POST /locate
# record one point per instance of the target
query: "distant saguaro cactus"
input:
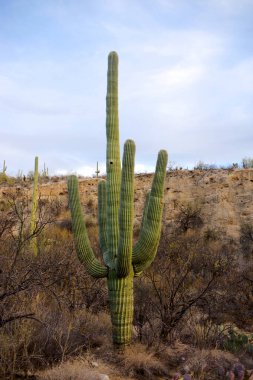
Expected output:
(116, 211)
(34, 205)
(97, 171)
(4, 168)
(44, 171)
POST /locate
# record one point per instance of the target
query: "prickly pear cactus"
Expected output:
(122, 260)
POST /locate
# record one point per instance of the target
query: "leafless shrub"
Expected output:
(189, 217)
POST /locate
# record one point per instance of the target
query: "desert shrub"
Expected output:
(212, 234)
(140, 363)
(78, 369)
(65, 224)
(209, 364)
(188, 273)
(202, 332)
(90, 203)
(203, 166)
(247, 162)
(189, 217)
(246, 238)
(15, 356)
(237, 342)
(4, 179)
(51, 293)
(143, 316)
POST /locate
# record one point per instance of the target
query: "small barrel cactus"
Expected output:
(122, 260)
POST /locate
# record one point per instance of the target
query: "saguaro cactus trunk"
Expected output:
(122, 261)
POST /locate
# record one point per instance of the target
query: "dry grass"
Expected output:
(139, 363)
(71, 370)
(212, 363)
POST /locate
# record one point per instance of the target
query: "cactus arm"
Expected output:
(113, 165)
(145, 249)
(145, 210)
(102, 220)
(83, 247)
(124, 259)
(141, 266)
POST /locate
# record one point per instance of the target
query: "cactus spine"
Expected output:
(34, 206)
(115, 204)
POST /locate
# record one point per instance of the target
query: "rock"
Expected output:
(102, 376)
(94, 364)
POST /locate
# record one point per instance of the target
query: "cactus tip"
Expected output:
(113, 57)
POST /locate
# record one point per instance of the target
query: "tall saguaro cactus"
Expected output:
(34, 205)
(122, 261)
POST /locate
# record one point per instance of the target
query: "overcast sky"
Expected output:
(185, 81)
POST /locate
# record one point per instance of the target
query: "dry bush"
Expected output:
(202, 332)
(188, 272)
(74, 370)
(140, 363)
(51, 310)
(14, 345)
(209, 364)
(246, 239)
(51, 293)
(189, 217)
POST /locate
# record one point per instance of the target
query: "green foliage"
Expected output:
(122, 261)
(237, 342)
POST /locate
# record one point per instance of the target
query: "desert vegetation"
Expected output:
(193, 306)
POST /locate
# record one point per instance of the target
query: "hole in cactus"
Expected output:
(111, 162)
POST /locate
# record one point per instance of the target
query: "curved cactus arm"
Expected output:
(113, 165)
(145, 249)
(141, 266)
(126, 214)
(102, 219)
(83, 247)
(145, 209)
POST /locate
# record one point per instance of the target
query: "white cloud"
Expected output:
(183, 84)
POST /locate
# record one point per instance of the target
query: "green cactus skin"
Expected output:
(122, 261)
(34, 206)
